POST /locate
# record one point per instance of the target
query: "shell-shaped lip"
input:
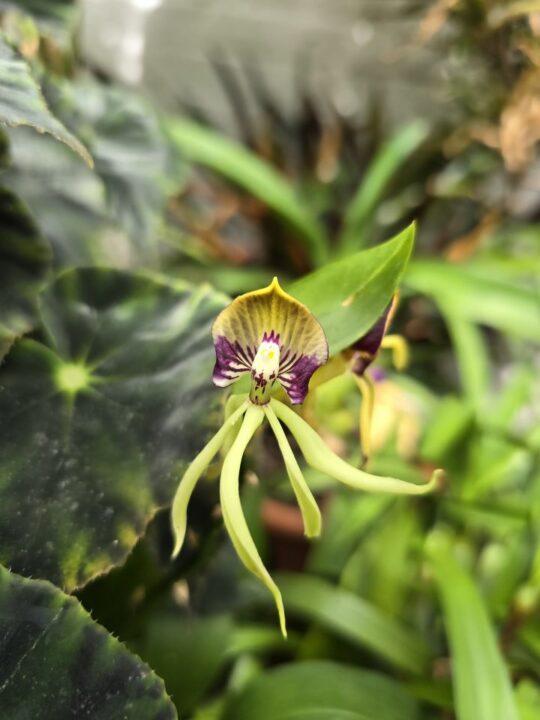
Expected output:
(269, 315)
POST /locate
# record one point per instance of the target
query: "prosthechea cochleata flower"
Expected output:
(274, 338)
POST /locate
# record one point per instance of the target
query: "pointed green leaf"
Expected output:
(56, 662)
(99, 418)
(252, 174)
(22, 103)
(482, 686)
(322, 691)
(348, 296)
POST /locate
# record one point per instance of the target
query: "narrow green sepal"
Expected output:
(233, 515)
(319, 456)
(308, 505)
(194, 472)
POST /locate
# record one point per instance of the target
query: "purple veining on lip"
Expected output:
(295, 376)
(295, 369)
(366, 349)
(231, 361)
(272, 336)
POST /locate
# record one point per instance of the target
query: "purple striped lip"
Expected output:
(294, 374)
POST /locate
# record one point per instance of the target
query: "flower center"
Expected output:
(264, 369)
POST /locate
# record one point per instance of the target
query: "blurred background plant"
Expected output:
(403, 609)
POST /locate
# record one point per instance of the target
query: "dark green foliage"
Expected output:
(24, 262)
(55, 662)
(84, 468)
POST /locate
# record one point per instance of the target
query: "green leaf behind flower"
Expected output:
(56, 662)
(99, 417)
(349, 295)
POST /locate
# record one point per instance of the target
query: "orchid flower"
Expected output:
(277, 341)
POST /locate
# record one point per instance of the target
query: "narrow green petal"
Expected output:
(233, 515)
(319, 456)
(310, 510)
(193, 473)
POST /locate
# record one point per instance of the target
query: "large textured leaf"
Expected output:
(67, 200)
(322, 691)
(482, 688)
(349, 295)
(112, 215)
(98, 419)
(480, 294)
(251, 173)
(354, 619)
(24, 259)
(22, 103)
(57, 664)
(129, 149)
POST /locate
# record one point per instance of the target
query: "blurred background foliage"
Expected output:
(403, 609)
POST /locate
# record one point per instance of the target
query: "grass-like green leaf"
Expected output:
(471, 354)
(349, 295)
(482, 686)
(354, 619)
(480, 295)
(360, 214)
(56, 662)
(22, 102)
(99, 417)
(321, 690)
(238, 164)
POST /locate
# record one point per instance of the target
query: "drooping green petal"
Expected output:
(272, 336)
(310, 510)
(319, 456)
(233, 515)
(193, 473)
